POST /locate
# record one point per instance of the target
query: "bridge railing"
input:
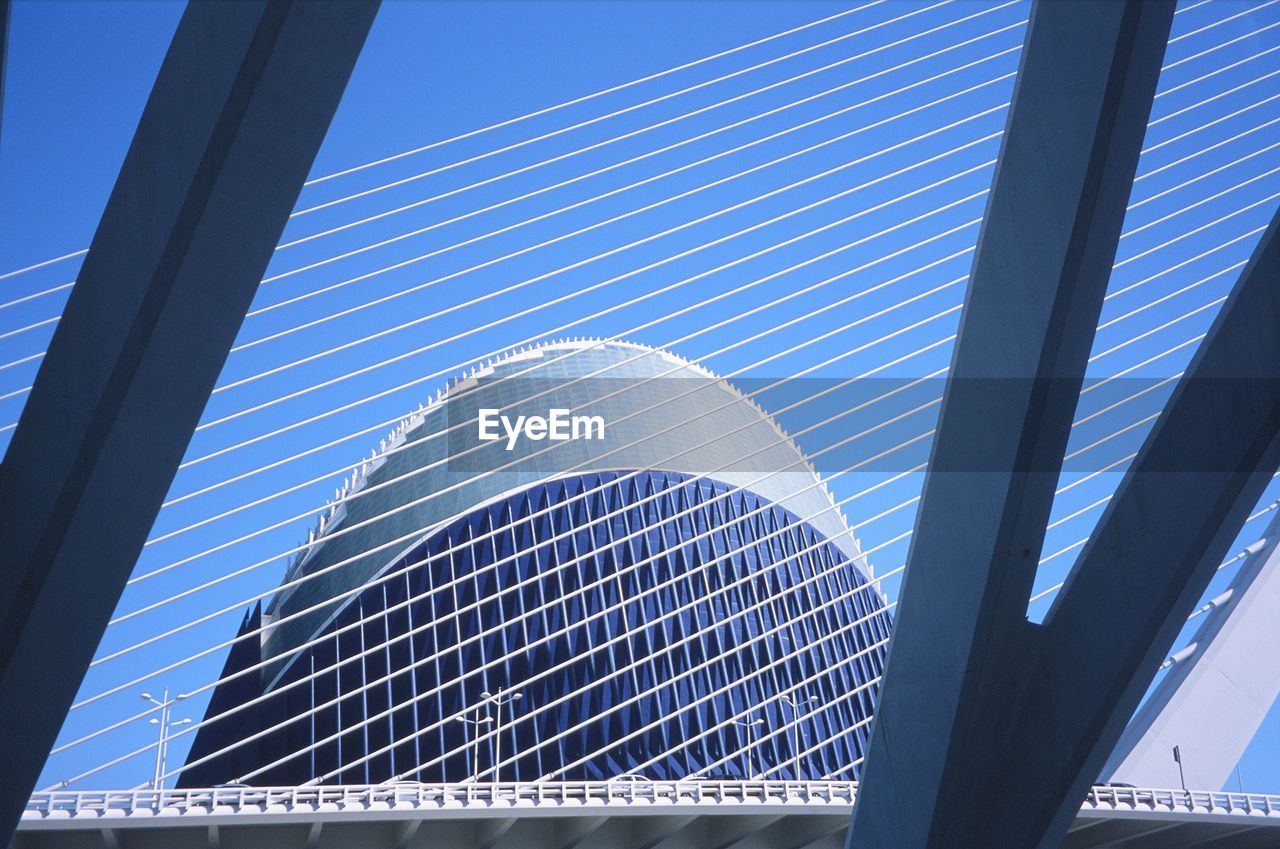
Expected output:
(619, 791)
(1140, 797)
(413, 794)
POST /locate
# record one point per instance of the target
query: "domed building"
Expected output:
(584, 559)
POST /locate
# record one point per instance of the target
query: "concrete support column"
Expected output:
(1219, 690)
(237, 113)
(943, 770)
(1030, 712)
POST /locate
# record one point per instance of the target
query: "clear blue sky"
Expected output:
(79, 74)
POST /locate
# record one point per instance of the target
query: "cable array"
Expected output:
(818, 220)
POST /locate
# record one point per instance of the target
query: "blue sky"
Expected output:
(909, 184)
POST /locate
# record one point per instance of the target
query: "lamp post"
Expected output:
(795, 725)
(475, 744)
(164, 724)
(498, 700)
(751, 727)
(1182, 776)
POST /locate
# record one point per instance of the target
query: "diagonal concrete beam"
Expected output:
(1211, 703)
(1055, 701)
(5, 13)
(233, 123)
(1200, 471)
(1048, 241)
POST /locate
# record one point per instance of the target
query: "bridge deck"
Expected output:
(637, 814)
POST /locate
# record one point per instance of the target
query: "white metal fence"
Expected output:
(624, 791)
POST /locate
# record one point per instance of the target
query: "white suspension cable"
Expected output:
(1204, 200)
(22, 361)
(867, 585)
(668, 173)
(384, 424)
(1210, 173)
(1109, 296)
(1199, 229)
(1100, 328)
(208, 424)
(459, 425)
(605, 169)
(413, 599)
(1217, 23)
(573, 101)
(1216, 121)
(624, 334)
(43, 264)
(1183, 264)
(582, 99)
(313, 323)
(926, 434)
(609, 281)
(356, 526)
(561, 105)
(581, 495)
(1059, 585)
(1209, 148)
(584, 290)
(345, 469)
(34, 295)
(33, 326)
(578, 204)
(397, 265)
(408, 537)
(701, 85)
(510, 121)
(625, 110)
(613, 251)
(1236, 40)
(1220, 94)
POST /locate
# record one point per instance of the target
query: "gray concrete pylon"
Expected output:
(1202, 468)
(944, 769)
(6, 12)
(242, 101)
(1219, 690)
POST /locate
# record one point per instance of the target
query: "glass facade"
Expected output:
(651, 620)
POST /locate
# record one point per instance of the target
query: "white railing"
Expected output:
(619, 791)
(1141, 798)
(622, 792)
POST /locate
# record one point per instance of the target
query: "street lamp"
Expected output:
(751, 727)
(498, 700)
(164, 724)
(475, 744)
(795, 725)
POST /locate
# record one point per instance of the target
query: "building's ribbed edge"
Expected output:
(334, 509)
